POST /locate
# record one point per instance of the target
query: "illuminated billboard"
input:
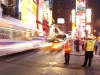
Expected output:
(50, 3)
(88, 15)
(19, 6)
(73, 22)
(28, 13)
(40, 13)
(80, 5)
(32, 7)
(60, 20)
(73, 16)
(80, 17)
(24, 12)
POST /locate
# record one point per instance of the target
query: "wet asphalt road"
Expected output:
(39, 62)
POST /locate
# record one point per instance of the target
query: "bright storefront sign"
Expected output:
(28, 13)
(80, 17)
(40, 15)
(80, 5)
(32, 6)
(24, 12)
(88, 15)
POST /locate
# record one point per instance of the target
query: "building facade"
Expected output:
(60, 11)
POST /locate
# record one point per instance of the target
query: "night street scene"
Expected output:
(49, 37)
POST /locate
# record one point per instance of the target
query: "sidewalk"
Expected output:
(73, 51)
(81, 53)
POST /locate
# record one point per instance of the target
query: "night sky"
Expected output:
(95, 5)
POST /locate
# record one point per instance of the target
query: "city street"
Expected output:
(34, 34)
(42, 62)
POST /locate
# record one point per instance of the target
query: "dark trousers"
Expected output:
(88, 58)
(83, 47)
(67, 57)
(77, 48)
(96, 48)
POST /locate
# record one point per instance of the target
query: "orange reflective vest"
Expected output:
(67, 48)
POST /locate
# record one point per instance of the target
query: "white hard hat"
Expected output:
(90, 37)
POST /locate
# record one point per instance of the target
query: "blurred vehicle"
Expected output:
(53, 44)
(38, 38)
(16, 37)
(61, 36)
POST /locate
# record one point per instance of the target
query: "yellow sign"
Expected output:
(24, 13)
(73, 26)
(34, 8)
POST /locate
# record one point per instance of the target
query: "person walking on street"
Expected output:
(82, 40)
(96, 46)
(67, 49)
(89, 46)
(76, 42)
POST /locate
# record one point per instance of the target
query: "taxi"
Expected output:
(53, 44)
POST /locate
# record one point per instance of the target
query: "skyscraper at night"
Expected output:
(58, 7)
(62, 9)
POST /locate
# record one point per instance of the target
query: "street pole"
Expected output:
(37, 15)
(1, 10)
(86, 19)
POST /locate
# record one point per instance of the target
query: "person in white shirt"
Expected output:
(96, 46)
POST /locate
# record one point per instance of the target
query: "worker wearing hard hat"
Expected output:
(89, 49)
(67, 49)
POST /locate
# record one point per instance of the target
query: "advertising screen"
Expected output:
(24, 12)
(80, 5)
(32, 7)
(60, 21)
(31, 20)
(40, 13)
(20, 6)
(50, 3)
(88, 15)
(28, 14)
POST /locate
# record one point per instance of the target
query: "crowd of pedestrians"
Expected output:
(89, 45)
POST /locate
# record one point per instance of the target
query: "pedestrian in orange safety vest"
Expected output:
(67, 49)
